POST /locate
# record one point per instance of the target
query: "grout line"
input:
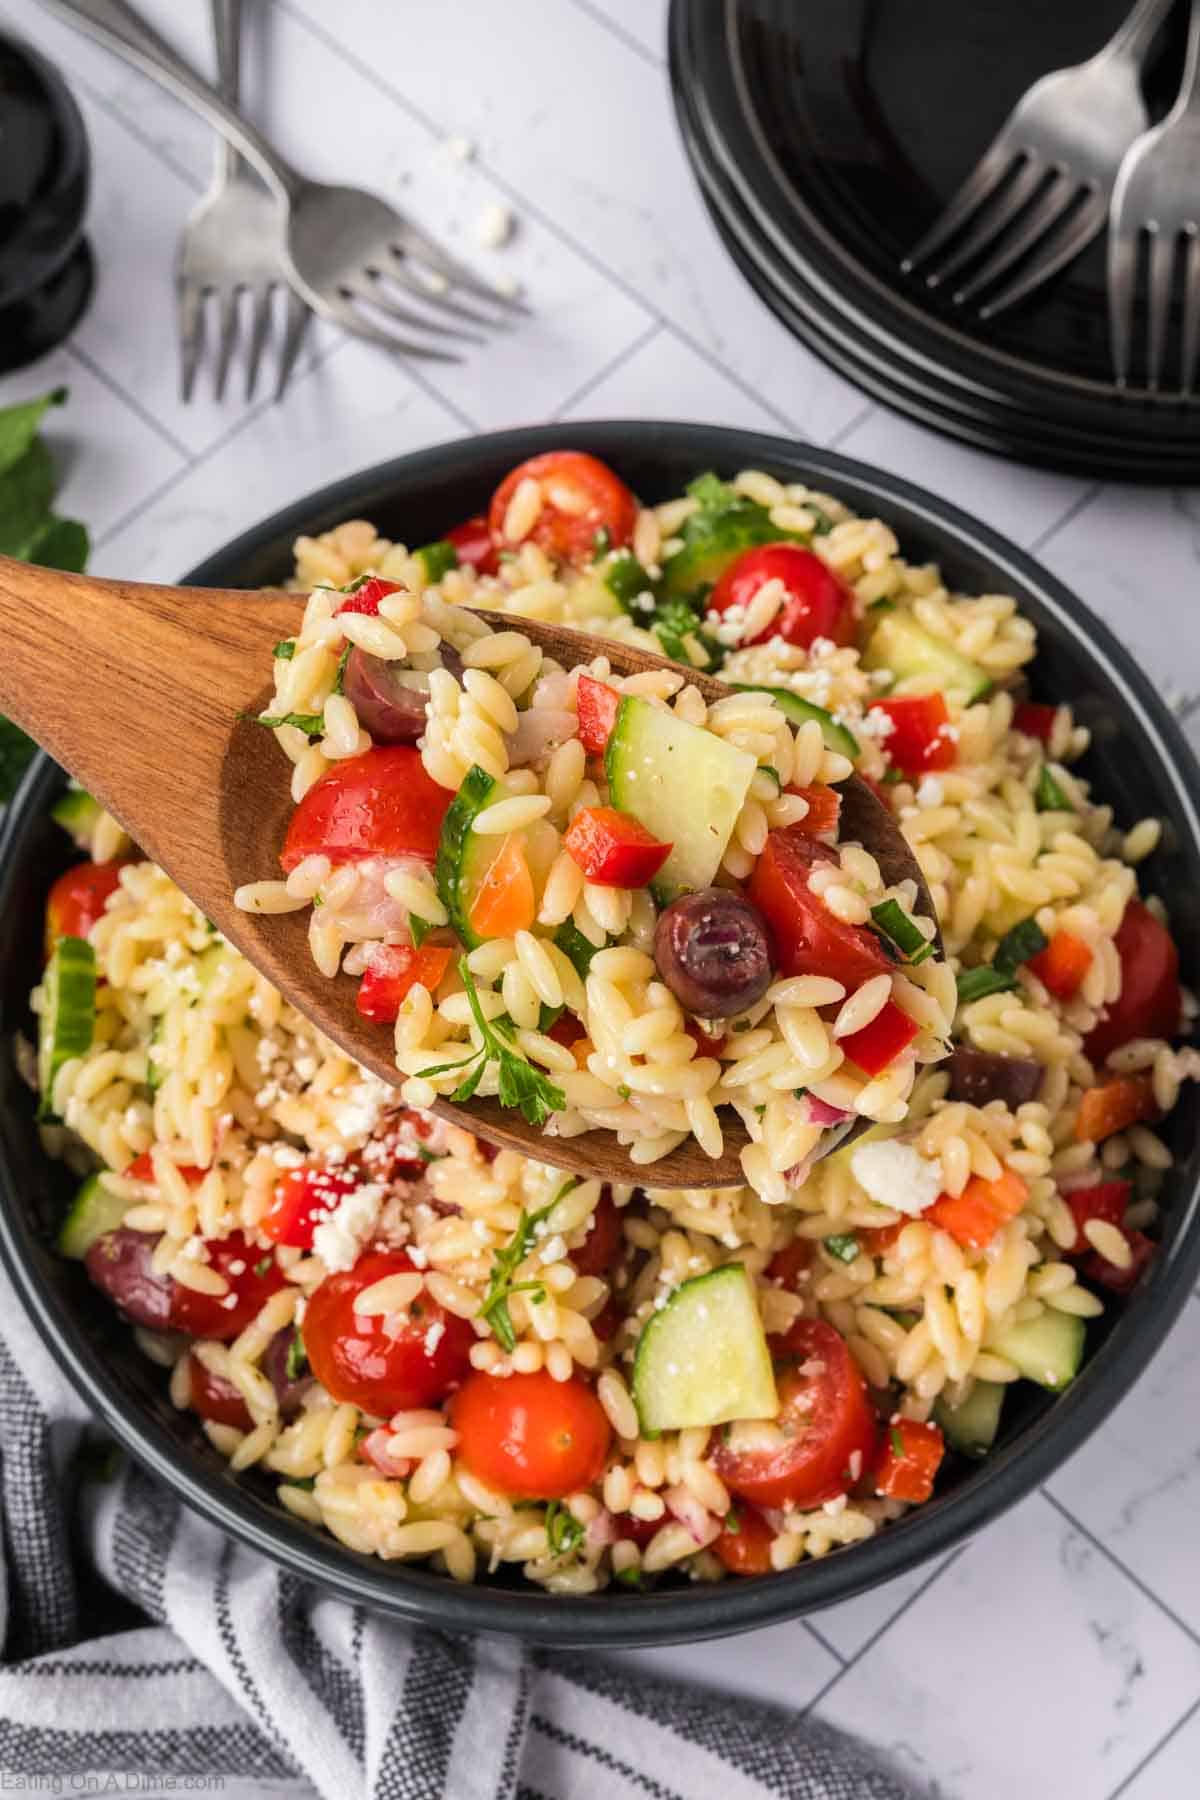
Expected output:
(627, 38)
(1073, 511)
(1150, 1755)
(859, 418)
(1143, 1588)
(113, 112)
(870, 1643)
(609, 368)
(548, 223)
(428, 388)
(114, 387)
(824, 1642)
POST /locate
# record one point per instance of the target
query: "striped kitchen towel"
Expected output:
(241, 1681)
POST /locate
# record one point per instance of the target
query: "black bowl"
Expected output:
(1139, 760)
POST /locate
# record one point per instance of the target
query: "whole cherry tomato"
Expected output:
(531, 1436)
(580, 497)
(381, 803)
(382, 1362)
(817, 603)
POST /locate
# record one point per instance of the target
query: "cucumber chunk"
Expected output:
(710, 548)
(92, 1212)
(68, 1016)
(77, 813)
(971, 1428)
(683, 784)
(914, 657)
(1048, 1349)
(703, 1359)
(798, 712)
(463, 858)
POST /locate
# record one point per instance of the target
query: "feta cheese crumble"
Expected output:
(338, 1239)
(897, 1176)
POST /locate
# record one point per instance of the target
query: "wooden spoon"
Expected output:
(139, 691)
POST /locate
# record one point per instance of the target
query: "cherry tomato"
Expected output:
(816, 603)
(77, 900)
(253, 1276)
(394, 969)
(531, 1436)
(381, 803)
(365, 599)
(910, 1455)
(598, 1251)
(790, 1266)
(806, 937)
(1150, 1001)
(303, 1197)
(597, 705)
(215, 1398)
(580, 496)
(377, 1361)
(824, 808)
(919, 741)
(475, 545)
(744, 1545)
(829, 1425)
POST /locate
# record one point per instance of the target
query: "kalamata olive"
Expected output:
(711, 949)
(119, 1264)
(978, 1076)
(289, 1389)
(387, 706)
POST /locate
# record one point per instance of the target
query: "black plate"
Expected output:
(827, 138)
(1142, 763)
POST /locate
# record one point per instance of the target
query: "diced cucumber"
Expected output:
(712, 544)
(704, 1359)
(464, 857)
(93, 1212)
(589, 596)
(437, 559)
(77, 813)
(1048, 1349)
(971, 1428)
(685, 785)
(913, 656)
(798, 712)
(68, 1016)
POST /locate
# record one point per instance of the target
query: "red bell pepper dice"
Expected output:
(613, 849)
(394, 969)
(919, 741)
(880, 1042)
(365, 599)
(597, 706)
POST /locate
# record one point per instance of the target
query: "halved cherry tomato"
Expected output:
(919, 741)
(744, 1546)
(598, 1251)
(381, 803)
(1113, 1106)
(365, 599)
(824, 807)
(78, 898)
(580, 496)
(215, 1398)
(597, 706)
(975, 1216)
(253, 1276)
(1106, 1274)
(613, 849)
(1034, 719)
(1150, 1001)
(392, 970)
(1062, 965)
(880, 1042)
(806, 937)
(1107, 1201)
(303, 1197)
(530, 1436)
(505, 901)
(790, 1266)
(816, 603)
(826, 1416)
(910, 1456)
(382, 1362)
(475, 545)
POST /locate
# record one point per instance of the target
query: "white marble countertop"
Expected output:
(1059, 1652)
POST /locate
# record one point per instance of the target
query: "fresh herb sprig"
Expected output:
(505, 1263)
(519, 1083)
(564, 1533)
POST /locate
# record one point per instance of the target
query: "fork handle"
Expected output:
(227, 35)
(1136, 33)
(119, 28)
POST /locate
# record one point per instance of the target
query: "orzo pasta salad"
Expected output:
(440, 1351)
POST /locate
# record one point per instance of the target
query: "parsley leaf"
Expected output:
(564, 1533)
(297, 1357)
(419, 928)
(505, 1263)
(340, 677)
(312, 724)
(843, 1246)
(519, 1084)
(264, 1264)
(897, 1438)
(1048, 795)
(284, 650)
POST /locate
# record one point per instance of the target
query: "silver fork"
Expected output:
(232, 249)
(1158, 193)
(1040, 191)
(344, 246)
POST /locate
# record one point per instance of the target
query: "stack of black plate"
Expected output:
(827, 135)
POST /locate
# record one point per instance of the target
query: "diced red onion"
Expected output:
(601, 1532)
(821, 1113)
(683, 1505)
(376, 1447)
(540, 730)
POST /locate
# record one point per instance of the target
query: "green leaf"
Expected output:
(843, 1246)
(64, 544)
(16, 753)
(628, 582)
(285, 649)
(419, 929)
(577, 949)
(630, 1577)
(19, 425)
(312, 724)
(548, 1016)
(564, 1533)
(297, 1357)
(264, 1264)
(26, 493)
(733, 1524)
(437, 559)
(897, 1439)
(1048, 795)
(467, 1088)
(340, 677)
(601, 542)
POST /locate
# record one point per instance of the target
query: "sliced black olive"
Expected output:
(711, 949)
